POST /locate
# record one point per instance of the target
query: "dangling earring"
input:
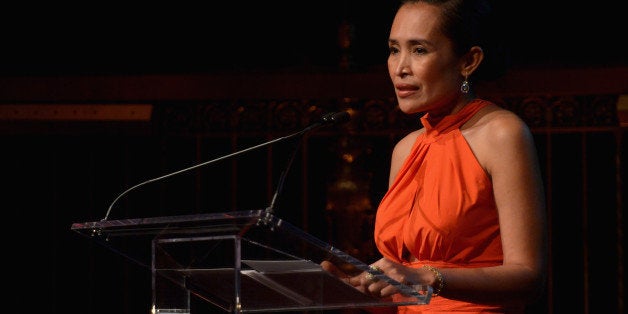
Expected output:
(464, 88)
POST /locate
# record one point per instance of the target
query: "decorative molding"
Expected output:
(368, 115)
(373, 84)
(214, 104)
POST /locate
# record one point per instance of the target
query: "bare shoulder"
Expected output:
(495, 125)
(401, 151)
(403, 147)
(495, 133)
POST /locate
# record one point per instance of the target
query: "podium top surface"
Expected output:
(193, 246)
(225, 221)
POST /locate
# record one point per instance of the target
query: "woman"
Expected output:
(464, 212)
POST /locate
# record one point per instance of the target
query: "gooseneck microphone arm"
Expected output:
(282, 179)
(197, 166)
(330, 118)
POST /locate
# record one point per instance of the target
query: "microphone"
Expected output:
(330, 118)
(336, 117)
(327, 119)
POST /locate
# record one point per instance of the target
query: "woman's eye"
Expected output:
(393, 50)
(419, 50)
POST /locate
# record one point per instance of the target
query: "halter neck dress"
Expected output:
(440, 209)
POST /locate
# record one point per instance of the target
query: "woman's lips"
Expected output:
(404, 90)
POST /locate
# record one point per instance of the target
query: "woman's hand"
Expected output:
(367, 283)
(364, 282)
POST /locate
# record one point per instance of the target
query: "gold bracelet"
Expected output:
(439, 279)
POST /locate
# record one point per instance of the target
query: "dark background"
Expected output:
(274, 35)
(59, 173)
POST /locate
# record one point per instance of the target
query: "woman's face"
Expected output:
(422, 64)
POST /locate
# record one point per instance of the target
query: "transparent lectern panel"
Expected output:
(133, 238)
(245, 261)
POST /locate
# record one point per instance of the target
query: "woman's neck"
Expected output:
(436, 115)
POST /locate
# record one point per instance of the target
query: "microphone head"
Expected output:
(336, 117)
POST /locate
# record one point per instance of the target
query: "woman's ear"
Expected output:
(472, 60)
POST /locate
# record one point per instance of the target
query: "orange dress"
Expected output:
(441, 210)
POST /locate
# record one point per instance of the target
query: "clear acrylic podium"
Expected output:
(240, 261)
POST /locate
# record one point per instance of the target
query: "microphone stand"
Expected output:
(282, 178)
(329, 118)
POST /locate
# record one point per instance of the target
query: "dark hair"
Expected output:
(471, 23)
